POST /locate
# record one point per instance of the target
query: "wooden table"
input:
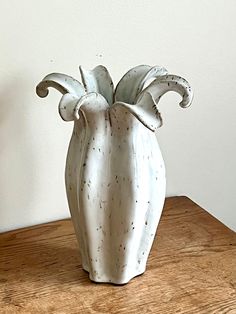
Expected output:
(191, 269)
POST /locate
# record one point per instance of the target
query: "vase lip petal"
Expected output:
(66, 106)
(144, 110)
(121, 85)
(170, 82)
(88, 100)
(132, 82)
(139, 90)
(98, 80)
(62, 82)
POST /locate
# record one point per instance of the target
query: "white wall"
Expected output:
(195, 39)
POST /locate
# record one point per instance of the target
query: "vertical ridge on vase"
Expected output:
(73, 183)
(94, 175)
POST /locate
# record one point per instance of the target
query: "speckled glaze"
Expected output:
(115, 174)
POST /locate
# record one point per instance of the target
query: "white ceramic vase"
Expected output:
(115, 174)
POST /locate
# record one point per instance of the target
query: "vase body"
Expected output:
(115, 174)
(115, 180)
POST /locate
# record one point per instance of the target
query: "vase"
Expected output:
(115, 174)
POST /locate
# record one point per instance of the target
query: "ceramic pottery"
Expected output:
(115, 175)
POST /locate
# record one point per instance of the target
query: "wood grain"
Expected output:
(191, 269)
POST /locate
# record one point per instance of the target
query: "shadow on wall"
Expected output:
(16, 154)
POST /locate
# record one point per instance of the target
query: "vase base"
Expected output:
(115, 281)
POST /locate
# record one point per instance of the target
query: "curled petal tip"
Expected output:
(132, 83)
(42, 90)
(184, 104)
(187, 100)
(171, 82)
(62, 82)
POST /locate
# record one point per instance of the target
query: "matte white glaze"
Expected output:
(115, 174)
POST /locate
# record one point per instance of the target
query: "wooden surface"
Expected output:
(191, 269)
